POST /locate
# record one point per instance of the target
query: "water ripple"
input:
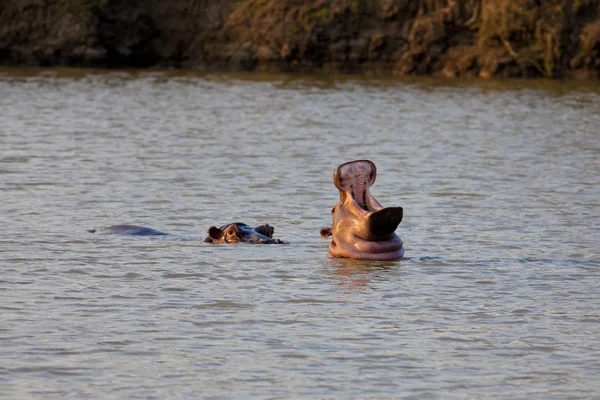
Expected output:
(495, 299)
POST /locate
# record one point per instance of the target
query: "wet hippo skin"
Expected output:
(133, 230)
(238, 232)
(362, 228)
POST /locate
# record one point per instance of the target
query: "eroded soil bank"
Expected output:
(486, 38)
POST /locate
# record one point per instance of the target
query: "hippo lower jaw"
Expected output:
(372, 238)
(360, 249)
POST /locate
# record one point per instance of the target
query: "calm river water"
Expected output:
(498, 296)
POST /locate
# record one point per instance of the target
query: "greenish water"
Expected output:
(496, 298)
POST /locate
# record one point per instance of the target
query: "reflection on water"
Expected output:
(356, 276)
(499, 181)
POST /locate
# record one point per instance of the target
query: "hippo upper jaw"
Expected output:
(375, 224)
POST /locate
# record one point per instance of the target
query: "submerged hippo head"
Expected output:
(238, 232)
(362, 228)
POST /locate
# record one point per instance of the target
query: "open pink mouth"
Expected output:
(354, 178)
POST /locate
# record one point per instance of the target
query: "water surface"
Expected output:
(497, 296)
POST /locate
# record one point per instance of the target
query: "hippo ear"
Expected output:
(266, 230)
(214, 233)
(325, 232)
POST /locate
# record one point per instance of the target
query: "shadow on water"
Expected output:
(356, 275)
(315, 80)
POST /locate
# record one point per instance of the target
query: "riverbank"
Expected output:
(469, 38)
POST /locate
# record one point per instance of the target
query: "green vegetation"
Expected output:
(310, 15)
(530, 36)
(533, 33)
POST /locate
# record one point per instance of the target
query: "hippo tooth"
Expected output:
(361, 192)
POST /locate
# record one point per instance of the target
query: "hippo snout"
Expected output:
(261, 240)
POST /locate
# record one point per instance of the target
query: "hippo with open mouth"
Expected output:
(239, 232)
(362, 228)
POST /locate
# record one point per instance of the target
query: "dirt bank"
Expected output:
(486, 38)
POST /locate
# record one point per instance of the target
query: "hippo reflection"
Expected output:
(362, 228)
(239, 232)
